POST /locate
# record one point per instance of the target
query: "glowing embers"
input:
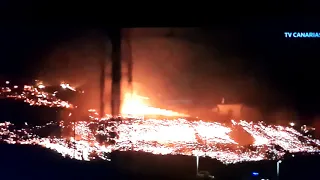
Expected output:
(285, 137)
(35, 96)
(164, 137)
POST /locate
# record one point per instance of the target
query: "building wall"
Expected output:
(231, 110)
(251, 114)
(239, 111)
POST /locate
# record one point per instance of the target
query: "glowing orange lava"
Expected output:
(157, 136)
(136, 105)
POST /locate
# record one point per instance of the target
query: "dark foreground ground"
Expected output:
(33, 163)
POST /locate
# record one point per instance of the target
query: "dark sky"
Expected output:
(290, 65)
(248, 61)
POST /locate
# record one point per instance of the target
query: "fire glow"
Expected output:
(34, 96)
(167, 137)
(155, 136)
(136, 105)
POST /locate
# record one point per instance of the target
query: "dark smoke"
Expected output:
(169, 64)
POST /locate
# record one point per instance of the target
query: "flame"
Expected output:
(67, 86)
(136, 105)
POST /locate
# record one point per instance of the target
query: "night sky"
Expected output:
(247, 61)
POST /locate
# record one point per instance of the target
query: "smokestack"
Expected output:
(127, 56)
(115, 36)
(102, 87)
(129, 60)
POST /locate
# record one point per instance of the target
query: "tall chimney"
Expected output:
(115, 36)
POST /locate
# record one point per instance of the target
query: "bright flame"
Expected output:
(135, 105)
(41, 86)
(67, 86)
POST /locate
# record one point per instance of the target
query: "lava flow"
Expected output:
(91, 139)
